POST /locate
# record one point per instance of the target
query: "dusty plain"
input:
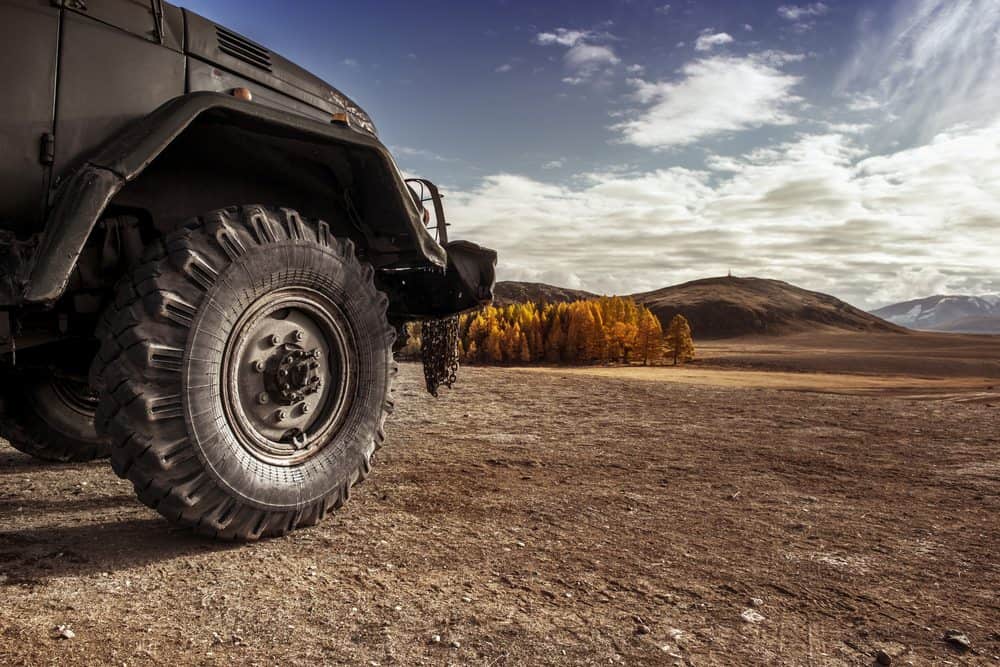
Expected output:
(754, 508)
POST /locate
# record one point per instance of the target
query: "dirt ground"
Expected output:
(552, 518)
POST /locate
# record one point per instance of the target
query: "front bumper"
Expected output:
(466, 283)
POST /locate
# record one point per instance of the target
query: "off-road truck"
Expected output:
(205, 253)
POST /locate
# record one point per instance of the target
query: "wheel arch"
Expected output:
(160, 162)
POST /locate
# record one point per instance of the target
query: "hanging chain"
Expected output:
(439, 352)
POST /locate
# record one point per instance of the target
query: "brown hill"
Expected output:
(730, 307)
(519, 292)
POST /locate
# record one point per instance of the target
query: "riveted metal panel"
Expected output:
(107, 78)
(29, 37)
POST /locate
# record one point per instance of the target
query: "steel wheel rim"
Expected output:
(288, 375)
(77, 396)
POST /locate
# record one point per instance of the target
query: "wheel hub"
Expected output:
(296, 375)
(288, 375)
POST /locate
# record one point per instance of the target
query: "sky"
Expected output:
(846, 146)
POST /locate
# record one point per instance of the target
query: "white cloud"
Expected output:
(662, 9)
(748, 27)
(635, 69)
(350, 62)
(553, 164)
(799, 12)
(818, 211)
(933, 64)
(506, 67)
(587, 55)
(563, 37)
(709, 40)
(716, 95)
(420, 153)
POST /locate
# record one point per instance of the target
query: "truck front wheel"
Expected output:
(246, 371)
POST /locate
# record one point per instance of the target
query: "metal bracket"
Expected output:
(47, 152)
(435, 197)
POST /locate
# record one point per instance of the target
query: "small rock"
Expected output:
(455, 643)
(675, 634)
(958, 639)
(757, 602)
(63, 632)
(466, 598)
(435, 639)
(642, 629)
(883, 658)
(751, 616)
(520, 544)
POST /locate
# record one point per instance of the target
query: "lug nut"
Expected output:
(275, 341)
(258, 366)
(317, 354)
(299, 335)
(305, 409)
(282, 415)
(282, 372)
(263, 398)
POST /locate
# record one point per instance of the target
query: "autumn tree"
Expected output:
(580, 332)
(649, 341)
(679, 343)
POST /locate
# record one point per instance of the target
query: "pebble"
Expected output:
(455, 644)
(757, 602)
(883, 658)
(435, 639)
(63, 632)
(958, 639)
(751, 616)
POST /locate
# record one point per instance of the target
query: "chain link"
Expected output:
(439, 352)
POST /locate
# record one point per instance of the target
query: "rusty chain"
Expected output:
(439, 352)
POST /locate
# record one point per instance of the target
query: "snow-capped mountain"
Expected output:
(960, 314)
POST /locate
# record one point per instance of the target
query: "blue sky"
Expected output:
(850, 147)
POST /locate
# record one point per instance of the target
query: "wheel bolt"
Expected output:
(282, 415)
(299, 335)
(305, 408)
(275, 341)
(282, 372)
(258, 366)
(317, 354)
(263, 398)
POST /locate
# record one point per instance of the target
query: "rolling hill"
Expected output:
(520, 292)
(728, 307)
(951, 313)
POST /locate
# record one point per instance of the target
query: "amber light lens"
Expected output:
(243, 94)
(340, 118)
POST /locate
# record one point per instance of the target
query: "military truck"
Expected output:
(205, 255)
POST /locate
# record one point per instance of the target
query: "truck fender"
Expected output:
(84, 195)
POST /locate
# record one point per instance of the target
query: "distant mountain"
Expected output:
(727, 307)
(953, 313)
(518, 292)
(730, 307)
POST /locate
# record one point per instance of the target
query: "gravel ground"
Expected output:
(548, 518)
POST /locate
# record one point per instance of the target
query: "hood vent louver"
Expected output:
(242, 48)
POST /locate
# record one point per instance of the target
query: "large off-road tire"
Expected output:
(50, 418)
(246, 373)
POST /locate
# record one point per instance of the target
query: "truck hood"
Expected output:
(231, 51)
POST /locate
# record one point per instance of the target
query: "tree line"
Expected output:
(590, 331)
